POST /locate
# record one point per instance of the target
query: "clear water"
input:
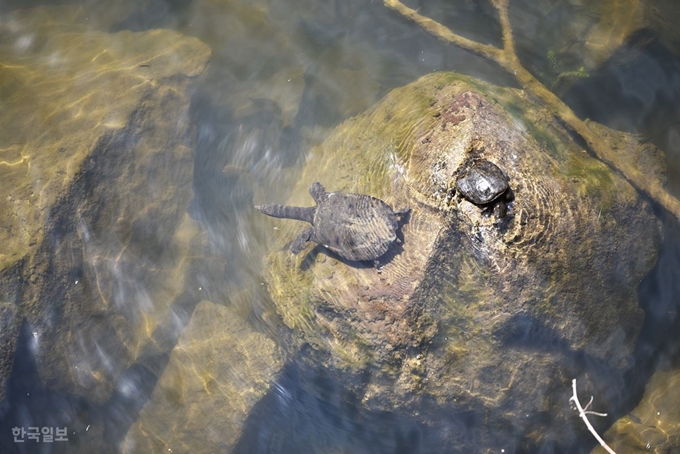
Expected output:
(281, 75)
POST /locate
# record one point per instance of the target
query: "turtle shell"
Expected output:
(481, 182)
(355, 226)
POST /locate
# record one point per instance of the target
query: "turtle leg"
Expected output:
(500, 210)
(377, 265)
(403, 214)
(300, 241)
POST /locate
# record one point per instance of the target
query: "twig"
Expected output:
(507, 58)
(583, 413)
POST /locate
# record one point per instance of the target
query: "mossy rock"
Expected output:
(489, 311)
(93, 241)
(216, 374)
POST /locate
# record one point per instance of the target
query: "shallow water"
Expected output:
(281, 75)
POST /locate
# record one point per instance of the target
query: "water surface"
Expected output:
(281, 75)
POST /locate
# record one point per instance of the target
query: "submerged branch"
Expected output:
(508, 41)
(439, 31)
(507, 58)
(583, 412)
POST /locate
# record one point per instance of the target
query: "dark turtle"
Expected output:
(355, 226)
(483, 183)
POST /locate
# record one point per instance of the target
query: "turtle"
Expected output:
(357, 227)
(481, 182)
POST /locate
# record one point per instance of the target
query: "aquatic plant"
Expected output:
(561, 75)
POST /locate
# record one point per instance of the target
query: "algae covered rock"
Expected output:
(96, 170)
(472, 314)
(218, 371)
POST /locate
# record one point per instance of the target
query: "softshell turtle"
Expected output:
(483, 183)
(357, 227)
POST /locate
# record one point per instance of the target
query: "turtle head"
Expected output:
(317, 191)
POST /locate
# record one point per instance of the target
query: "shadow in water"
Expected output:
(308, 411)
(659, 340)
(91, 427)
(309, 258)
(29, 404)
(394, 250)
(523, 331)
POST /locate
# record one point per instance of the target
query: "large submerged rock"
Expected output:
(218, 371)
(473, 317)
(96, 173)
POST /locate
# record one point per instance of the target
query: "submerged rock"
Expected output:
(96, 171)
(473, 317)
(218, 371)
(654, 425)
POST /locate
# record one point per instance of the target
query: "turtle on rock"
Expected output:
(357, 227)
(481, 182)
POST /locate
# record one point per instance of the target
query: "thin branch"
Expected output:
(595, 413)
(583, 414)
(508, 41)
(439, 31)
(507, 58)
(589, 402)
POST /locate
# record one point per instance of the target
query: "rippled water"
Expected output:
(280, 76)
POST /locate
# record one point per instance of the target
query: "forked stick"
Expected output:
(584, 412)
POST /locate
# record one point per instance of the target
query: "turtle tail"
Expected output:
(283, 211)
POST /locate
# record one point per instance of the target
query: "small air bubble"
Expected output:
(76, 282)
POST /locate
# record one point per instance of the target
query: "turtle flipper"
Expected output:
(300, 241)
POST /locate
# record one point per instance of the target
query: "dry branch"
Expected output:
(584, 412)
(507, 58)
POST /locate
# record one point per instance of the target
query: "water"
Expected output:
(281, 75)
